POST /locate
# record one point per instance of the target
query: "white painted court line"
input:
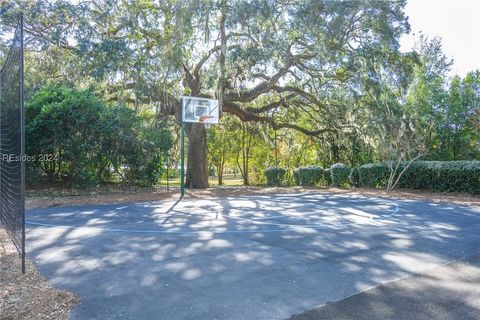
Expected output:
(285, 227)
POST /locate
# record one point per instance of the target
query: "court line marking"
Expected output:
(288, 227)
(336, 224)
(41, 224)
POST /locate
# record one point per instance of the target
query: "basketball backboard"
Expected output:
(200, 110)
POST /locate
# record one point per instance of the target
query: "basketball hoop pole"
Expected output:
(182, 160)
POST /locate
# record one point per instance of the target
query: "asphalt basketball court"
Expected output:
(241, 257)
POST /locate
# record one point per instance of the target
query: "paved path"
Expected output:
(448, 292)
(243, 257)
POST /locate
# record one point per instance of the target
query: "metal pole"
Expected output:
(276, 147)
(22, 144)
(168, 177)
(182, 160)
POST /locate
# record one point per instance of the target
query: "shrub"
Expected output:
(339, 173)
(308, 175)
(354, 177)
(373, 175)
(327, 177)
(275, 176)
(93, 141)
(459, 176)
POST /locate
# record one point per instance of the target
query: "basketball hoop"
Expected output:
(205, 119)
(199, 110)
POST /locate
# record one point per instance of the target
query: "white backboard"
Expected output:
(201, 110)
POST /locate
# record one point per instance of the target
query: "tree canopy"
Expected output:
(326, 78)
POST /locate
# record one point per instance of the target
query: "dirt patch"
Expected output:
(29, 295)
(46, 201)
(92, 199)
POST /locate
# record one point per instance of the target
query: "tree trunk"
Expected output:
(246, 158)
(196, 175)
(221, 167)
(220, 177)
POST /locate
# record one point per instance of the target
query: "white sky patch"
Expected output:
(456, 22)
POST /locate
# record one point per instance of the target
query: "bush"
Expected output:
(374, 175)
(308, 175)
(327, 177)
(339, 173)
(354, 177)
(458, 176)
(275, 176)
(93, 142)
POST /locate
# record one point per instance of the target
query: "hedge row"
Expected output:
(339, 173)
(308, 176)
(460, 176)
(275, 176)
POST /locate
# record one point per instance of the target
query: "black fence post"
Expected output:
(22, 141)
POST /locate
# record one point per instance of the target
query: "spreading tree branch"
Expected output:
(245, 116)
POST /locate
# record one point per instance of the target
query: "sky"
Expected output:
(456, 22)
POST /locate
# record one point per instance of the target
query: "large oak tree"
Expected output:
(287, 64)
